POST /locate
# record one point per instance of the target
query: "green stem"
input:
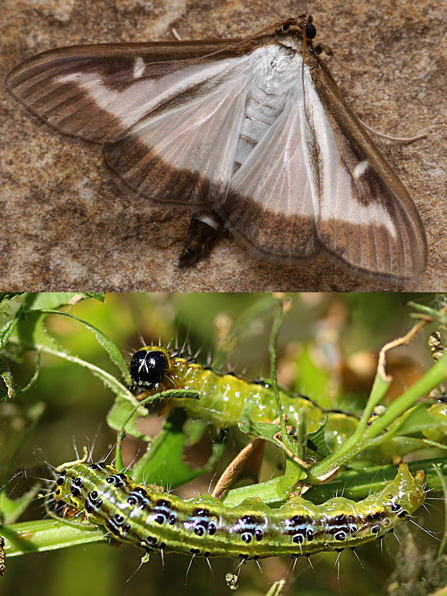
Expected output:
(277, 323)
(367, 431)
(443, 482)
(44, 535)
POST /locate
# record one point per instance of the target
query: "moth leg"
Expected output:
(204, 230)
(320, 48)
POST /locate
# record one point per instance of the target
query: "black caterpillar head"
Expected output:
(148, 366)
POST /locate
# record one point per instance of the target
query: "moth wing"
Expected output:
(183, 153)
(169, 127)
(318, 182)
(95, 93)
(368, 222)
(272, 200)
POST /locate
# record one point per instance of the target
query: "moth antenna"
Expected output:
(162, 555)
(330, 52)
(383, 135)
(259, 566)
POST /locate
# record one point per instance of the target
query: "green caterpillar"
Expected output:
(152, 519)
(226, 399)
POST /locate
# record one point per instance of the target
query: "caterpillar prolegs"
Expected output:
(152, 519)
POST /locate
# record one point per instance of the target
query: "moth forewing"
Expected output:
(97, 92)
(373, 224)
(254, 130)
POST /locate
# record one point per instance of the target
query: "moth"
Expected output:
(153, 519)
(251, 135)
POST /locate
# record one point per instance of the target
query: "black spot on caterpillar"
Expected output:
(152, 519)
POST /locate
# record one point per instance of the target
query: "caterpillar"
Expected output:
(226, 399)
(152, 519)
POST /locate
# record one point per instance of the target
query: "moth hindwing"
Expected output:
(255, 132)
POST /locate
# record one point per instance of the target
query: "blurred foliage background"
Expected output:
(326, 349)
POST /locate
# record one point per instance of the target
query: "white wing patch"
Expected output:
(141, 97)
(360, 169)
(139, 68)
(338, 197)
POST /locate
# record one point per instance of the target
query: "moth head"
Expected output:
(302, 24)
(148, 366)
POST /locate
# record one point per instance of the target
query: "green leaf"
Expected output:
(420, 419)
(45, 535)
(11, 310)
(317, 441)
(51, 300)
(104, 341)
(11, 510)
(125, 411)
(262, 430)
(163, 461)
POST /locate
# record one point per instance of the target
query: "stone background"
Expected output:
(65, 226)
